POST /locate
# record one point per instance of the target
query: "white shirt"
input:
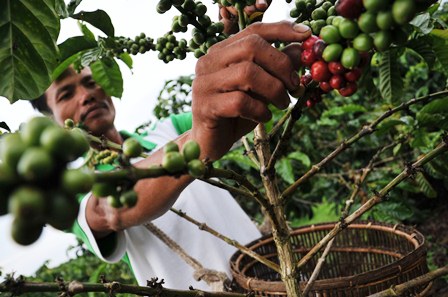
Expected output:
(150, 257)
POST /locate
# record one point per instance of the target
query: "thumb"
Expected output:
(293, 51)
(282, 31)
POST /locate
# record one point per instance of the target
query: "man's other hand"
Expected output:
(229, 15)
(239, 78)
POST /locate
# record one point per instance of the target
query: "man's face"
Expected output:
(76, 96)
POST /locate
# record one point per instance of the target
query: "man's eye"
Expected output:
(65, 96)
(91, 83)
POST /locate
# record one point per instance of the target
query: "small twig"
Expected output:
(365, 172)
(287, 115)
(241, 180)
(400, 290)
(234, 190)
(366, 130)
(107, 143)
(132, 173)
(374, 200)
(294, 115)
(317, 269)
(232, 242)
(241, 17)
(250, 152)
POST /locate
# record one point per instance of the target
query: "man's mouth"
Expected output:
(92, 109)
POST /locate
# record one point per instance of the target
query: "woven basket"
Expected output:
(365, 258)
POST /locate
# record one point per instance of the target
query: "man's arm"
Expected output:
(234, 85)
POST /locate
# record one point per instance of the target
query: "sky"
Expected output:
(141, 88)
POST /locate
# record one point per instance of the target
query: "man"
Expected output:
(234, 85)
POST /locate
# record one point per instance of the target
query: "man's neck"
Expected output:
(112, 135)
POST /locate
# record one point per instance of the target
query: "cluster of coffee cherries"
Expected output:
(175, 162)
(140, 44)
(105, 157)
(170, 48)
(336, 56)
(315, 15)
(377, 23)
(119, 193)
(36, 186)
(333, 67)
(205, 32)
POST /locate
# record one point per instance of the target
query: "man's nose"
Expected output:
(85, 95)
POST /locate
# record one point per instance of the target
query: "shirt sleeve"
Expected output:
(182, 122)
(110, 249)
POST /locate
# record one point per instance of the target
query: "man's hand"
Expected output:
(237, 80)
(229, 15)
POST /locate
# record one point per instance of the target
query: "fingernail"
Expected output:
(298, 92)
(295, 79)
(301, 28)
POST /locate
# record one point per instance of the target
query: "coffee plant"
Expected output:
(363, 71)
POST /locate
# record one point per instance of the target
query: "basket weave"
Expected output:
(365, 258)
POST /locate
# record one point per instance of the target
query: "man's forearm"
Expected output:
(155, 197)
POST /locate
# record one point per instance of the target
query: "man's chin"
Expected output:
(98, 126)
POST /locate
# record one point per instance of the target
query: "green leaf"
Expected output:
(28, 52)
(422, 47)
(240, 159)
(343, 110)
(440, 45)
(72, 5)
(61, 8)
(74, 45)
(392, 212)
(387, 125)
(127, 59)
(86, 32)
(301, 157)
(285, 170)
(390, 80)
(436, 106)
(98, 18)
(425, 186)
(64, 65)
(423, 22)
(440, 33)
(396, 150)
(328, 122)
(434, 114)
(322, 212)
(89, 56)
(107, 74)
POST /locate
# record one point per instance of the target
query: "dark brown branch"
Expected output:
(366, 130)
(400, 289)
(73, 288)
(374, 200)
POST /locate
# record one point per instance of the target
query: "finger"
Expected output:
(293, 51)
(231, 10)
(236, 104)
(262, 5)
(249, 78)
(282, 31)
(253, 49)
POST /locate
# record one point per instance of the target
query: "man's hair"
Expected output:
(40, 104)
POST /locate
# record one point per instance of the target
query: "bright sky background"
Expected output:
(141, 88)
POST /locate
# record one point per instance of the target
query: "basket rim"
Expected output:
(400, 265)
